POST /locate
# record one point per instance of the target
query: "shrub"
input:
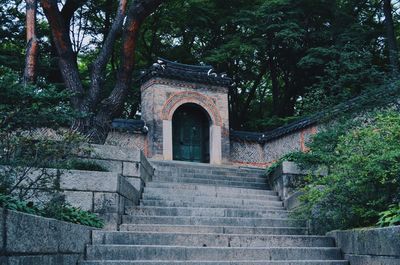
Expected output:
(26, 151)
(56, 209)
(363, 178)
(390, 217)
(83, 165)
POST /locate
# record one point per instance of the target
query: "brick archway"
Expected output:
(180, 98)
(177, 100)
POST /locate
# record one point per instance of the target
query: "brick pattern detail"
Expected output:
(180, 98)
(247, 152)
(128, 140)
(181, 84)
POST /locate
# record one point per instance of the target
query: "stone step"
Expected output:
(216, 212)
(201, 167)
(239, 184)
(207, 174)
(260, 262)
(202, 229)
(209, 240)
(212, 194)
(274, 201)
(210, 175)
(143, 252)
(214, 221)
(267, 205)
(207, 188)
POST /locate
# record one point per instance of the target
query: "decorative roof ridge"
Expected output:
(380, 96)
(204, 74)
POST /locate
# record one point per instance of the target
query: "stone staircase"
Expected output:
(200, 214)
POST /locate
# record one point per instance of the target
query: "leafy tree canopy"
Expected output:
(288, 58)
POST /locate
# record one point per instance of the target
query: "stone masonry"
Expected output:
(161, 97)
(200, 214)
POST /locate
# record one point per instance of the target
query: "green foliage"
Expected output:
(58, 209)
(82, 165)
(54, 209)
(287, 57)
(28, 147)
(363, 179)
(12, 203)
(30, 138)
(347, 71)
(390, 217)
(32, 106)
(288, 157)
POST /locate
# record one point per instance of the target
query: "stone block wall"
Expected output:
(104, 193)
(373, 246)
(160, 97)
(126, 161)
(32, 240)
(108, 193)
(283, 180)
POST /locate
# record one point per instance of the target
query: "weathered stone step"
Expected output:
(208, 188)
(209, 240)
(253, 185)
(216, 221)
(274, 200)
(201, 167)
(216, 212)
(260, 262)
(132, 252)
(207, 174)
(210, 175)
(163, 192)
(213, 204)
(202, 229)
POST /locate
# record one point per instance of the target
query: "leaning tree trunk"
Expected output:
(391, 37)
(98, 113)
(32, 47)
(112, 106)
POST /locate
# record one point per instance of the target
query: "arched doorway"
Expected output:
(191, 134)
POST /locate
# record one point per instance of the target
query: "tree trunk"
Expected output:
(32, 48)
(275, 85)
(98, 113)
(252, 93)
(112, 106)
(391, 37)
(67, 63)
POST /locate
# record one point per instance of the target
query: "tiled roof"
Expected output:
(373, 98)
(191, 73)
(131, 126)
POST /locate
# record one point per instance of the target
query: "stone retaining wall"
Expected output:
(128, 162)
(284, 179)
(375, 246)
(108, 193)
(33, 240)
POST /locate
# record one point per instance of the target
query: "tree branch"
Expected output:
(68, 10)
(112, 106)
(138, 11)
(105, 54)
(62, 41)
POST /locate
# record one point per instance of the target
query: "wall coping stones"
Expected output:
(110, 152)
(29, 237)
(369, 241)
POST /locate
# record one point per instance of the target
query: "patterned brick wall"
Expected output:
(130, 140)
(258, 154)
(247, 153)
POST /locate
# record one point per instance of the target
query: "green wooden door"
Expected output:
(190, 132)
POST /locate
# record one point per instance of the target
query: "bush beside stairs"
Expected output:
(216, 215)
